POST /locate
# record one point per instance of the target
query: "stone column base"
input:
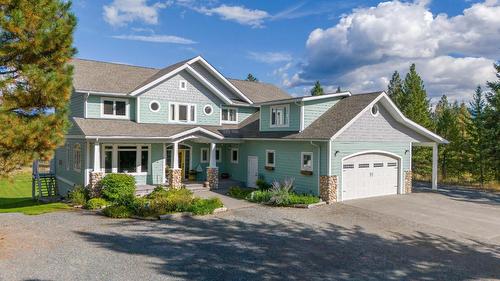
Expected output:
(213, 178)
(174, 178)
(408, 182)
(94, 187)
(328, 188)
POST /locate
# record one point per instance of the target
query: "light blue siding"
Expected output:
(265, 119)
(94, 107)
(315, 108)
(64, 166)
(77, 105)
(245, 112)
(215, 81)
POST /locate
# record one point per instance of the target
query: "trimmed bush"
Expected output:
(96, 203)
(117, 211)
(238, 192)
(259, 196)
(78, 195)
(171, 200)
(205, 206)
(118, 188)
(302, 199)
(263, 185)
(142, 207)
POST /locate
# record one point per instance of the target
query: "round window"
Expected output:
(375, 110)
(208, 109)
(154, 106)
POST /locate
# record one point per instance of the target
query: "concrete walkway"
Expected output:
(229, 202)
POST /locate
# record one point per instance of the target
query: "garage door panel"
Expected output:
(368, 175)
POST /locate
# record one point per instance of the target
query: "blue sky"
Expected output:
(352, 44)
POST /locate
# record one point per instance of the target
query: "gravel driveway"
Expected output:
(342, 242)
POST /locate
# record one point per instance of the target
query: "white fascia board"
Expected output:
(208, 85)
(219, 76)
(108, 94)
(162, 78)
(197, 130)
(308, 98)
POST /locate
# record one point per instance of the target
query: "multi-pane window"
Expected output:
(204, 155)
(108, 159)
(234, 155)
(126, 159)
(229, 115)
(307, 161)
(77, 157)
(270, 158)
(218, 155)
(280, 115)
(144, 159)
(182, 85)
(182, 113)
(114, 108)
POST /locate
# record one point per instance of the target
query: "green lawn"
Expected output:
(15, 197)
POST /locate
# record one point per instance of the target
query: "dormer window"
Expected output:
(182, 85)
(280, 115)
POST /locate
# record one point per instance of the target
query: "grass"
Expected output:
(15, 197)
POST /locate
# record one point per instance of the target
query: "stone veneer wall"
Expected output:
(328, 188)
(94, 187)
(407, 182)
(174, 178)
(213, 178)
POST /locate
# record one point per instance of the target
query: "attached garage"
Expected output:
(370, 174)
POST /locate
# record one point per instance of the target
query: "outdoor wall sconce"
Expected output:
(406, 151)
(336, 151)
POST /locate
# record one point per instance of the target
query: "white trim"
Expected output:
(157, 102)
(195, 130)
(160, 79)
(220, 77)
(65, 180)
(208, 85)
(114, 157)
(163, 173)
(400, 169)
(85, 103)
(114, 116)
(211, 109)
(287, 120)
(329, 159)
(138, 109)
(220, 155)
(97, 93)
(75, 168)
(229, 108)
(301, 117)
(86, 163)
(167, 145)
(274, 158)
(201, 155)
(271, 139)
(304, 168)
(181, 82)
(307, 98)
(176, 113)
(375, 106)
(237, 155)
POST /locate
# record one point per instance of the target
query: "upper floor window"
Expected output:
(229, 115)
(280, 115)
(182, 85)
(115, 108)
(182, 112)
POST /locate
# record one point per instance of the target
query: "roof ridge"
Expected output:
(117, 63)
(259, 82)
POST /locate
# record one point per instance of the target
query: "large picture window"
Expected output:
(229, 115)
(129, 159)
(183, 113)
(280, 115)
(114, 108)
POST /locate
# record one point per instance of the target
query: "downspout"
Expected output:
(319, 161)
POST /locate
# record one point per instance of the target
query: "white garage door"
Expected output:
(369, 175)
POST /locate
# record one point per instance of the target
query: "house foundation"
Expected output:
(174, 178)
(213, 177)
(328, 188)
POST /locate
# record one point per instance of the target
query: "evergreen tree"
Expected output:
(251, 78)
(446, 120)
(317, 90)
(35, 46)
(492, 123)
(461, 144)
(395, 92)
(338, 90)
(477, 131)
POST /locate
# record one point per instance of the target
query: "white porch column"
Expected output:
(175, 156)
(97, 157)
(434, 165)
(213, 162)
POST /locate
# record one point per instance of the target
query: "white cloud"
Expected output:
(122, 12)
(270, 57)
(240, 14)
(156, 38)
(453, 54)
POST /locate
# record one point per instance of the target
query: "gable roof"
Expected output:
(259, 92)
(161, 73)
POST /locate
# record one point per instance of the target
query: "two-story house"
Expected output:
(159, 124)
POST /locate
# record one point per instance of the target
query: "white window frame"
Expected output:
(227, 121)
(220, 155)
(114, 116)
(287, 120)
(176, 115)
(274, 158)
(237, 155)
(201, 155)
(114, 156)
(306, 168)
(77, 157)
(211, 107)
(375, 106)
(183, 82)
(154, 101)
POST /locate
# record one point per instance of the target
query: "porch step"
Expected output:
(194, 186)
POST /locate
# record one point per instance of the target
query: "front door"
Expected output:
(182, 162)
(252, 171)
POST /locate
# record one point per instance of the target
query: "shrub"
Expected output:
(142, 207)
(262, 184)
(171, 200)
(280, 192)
(238, 192)
(78, 195)
(96, 203)
(117, 211)
(302, 199)
(205, 206)
(259, 196)
(158, 191)
(118, 187)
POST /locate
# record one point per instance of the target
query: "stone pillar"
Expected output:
(407, 182)
(174, 178)
(328, 188)
(213, 178)
(94, 187)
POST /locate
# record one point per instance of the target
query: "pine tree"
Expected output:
(462, 143)
(339, 90)
(35, 46)
(492, 123)
(395, 92)
(477, 132)
(317, 90)
(251, 78)
(446, 120)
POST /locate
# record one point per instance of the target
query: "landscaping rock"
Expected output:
(309, 206)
